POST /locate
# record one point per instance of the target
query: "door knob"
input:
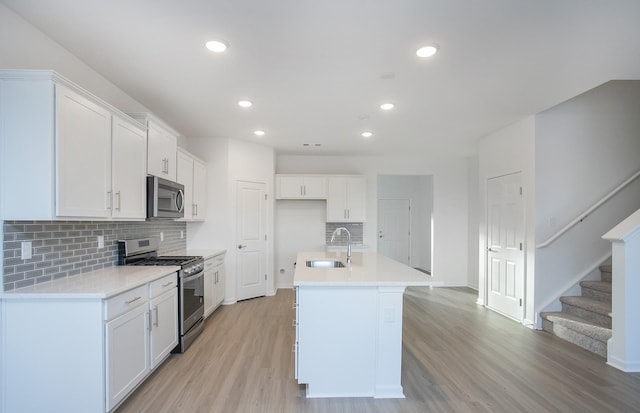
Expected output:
(241, 247)
(491, 249)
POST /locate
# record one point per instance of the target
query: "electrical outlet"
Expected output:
(27, 250)
(100, 241)
(181, 234)
(161, 236)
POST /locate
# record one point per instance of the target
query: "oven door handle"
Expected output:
(193, 277)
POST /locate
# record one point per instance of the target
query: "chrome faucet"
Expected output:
(337, 231)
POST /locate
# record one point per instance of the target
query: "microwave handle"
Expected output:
(180, 200)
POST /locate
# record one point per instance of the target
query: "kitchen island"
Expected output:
(349, 324)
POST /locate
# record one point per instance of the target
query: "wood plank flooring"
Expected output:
(457, 357)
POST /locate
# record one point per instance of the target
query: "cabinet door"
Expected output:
(356, 199)
(164, 325)
(199, 190)
(129, 161)
(185, 177)
(315, 187)
(209, 287)
(337, 199)
(127, 357)
(219, 283)
(83, 156)
(161, 155)
(290, 187)
(346, 199)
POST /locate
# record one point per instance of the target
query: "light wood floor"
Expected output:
(457, 357)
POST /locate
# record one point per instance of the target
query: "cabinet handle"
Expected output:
(348, 213)
(293, 348)
(167, 284)
(305, 190)
(295, 323)
(109, 200)
(155, 310)
(118, 201)
(149, 321)
(132, 300)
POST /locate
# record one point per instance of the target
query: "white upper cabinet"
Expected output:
(129, 164)
(192, 173)
(66, 153)
(199, 190)
(83, 149)
(301, 187)
(346, 198)
(162, 145)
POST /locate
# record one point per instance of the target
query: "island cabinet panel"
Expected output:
(337, 341)
(349, 324)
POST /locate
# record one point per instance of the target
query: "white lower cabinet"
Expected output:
(141, 338)
(214, 281)
(164, 325)
(127, 357)
(83, 354)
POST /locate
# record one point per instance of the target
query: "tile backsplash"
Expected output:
(355, 228)
(67, 248)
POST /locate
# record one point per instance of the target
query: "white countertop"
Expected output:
(204, 252)
(366, 269)
(98, 284)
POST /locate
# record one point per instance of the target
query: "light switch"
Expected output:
(27, 251)
(100, 241)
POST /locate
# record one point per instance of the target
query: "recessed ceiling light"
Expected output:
(427, 51)
(366, 134)
(258, 132)
(387, 106)
(217, 46)
(245, 103)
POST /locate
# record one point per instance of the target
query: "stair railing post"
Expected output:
(623, 348)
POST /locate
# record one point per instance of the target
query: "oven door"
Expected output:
(191, 300)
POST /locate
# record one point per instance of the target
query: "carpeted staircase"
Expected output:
(585, 320)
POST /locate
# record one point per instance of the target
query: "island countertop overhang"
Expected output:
(365, 269)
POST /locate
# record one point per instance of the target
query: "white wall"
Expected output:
(229, 160)
(507, 151)
(419, 190)
(584, 148)
(450, 202)
(22, 46)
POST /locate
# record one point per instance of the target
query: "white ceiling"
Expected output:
(313, 68)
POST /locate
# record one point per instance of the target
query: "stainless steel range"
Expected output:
(144, 251)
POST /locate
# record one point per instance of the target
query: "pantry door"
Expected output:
(505, 240)
(251, 244)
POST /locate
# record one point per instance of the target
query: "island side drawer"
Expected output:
(126, 301)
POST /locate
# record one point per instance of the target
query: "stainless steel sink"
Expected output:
(325, 263)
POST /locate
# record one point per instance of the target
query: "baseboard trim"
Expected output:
(627, 367)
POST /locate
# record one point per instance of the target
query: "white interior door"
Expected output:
(394, 229)
(251, 242)
(505, 252)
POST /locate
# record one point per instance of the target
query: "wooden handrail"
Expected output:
(586, 213)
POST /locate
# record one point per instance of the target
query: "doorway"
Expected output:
(415, 193)
(394, 229)
(251, 244)
(505, 245)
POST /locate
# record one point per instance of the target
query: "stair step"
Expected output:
(577, 331)
(598, 290)
(594, 311)
(605, 272)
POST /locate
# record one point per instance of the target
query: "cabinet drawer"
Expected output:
(214, 261)
(162, 285)
(121, 303)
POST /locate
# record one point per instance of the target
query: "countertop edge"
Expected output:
(119, 286)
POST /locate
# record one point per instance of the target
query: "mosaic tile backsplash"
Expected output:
(67, 248)
(355, 228)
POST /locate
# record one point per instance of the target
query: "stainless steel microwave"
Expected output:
(165, 199)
